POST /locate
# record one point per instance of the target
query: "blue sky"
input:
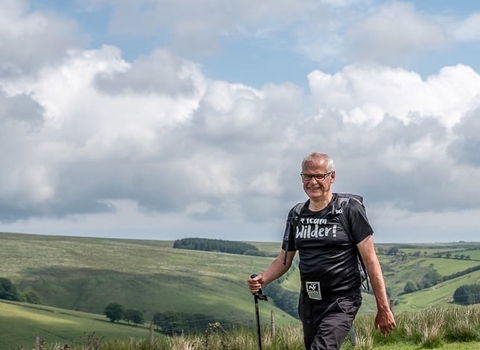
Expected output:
(162, 120)
(272, 55)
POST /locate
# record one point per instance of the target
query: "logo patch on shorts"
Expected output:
(313, 290)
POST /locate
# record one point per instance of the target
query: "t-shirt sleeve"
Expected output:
(359, 224)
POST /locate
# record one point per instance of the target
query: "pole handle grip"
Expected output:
(259, 294)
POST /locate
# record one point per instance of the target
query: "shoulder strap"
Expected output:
(297, 209)
(343, 201)
(293, 222)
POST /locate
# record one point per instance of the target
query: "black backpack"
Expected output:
(342, 201)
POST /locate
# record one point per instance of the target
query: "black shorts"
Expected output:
(326, 323)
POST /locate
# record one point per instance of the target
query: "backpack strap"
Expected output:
(293, 222)
(343, 200)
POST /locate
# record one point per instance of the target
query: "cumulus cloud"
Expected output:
(159, 73)
(392, 121)
(33, 39)
(365, 94)
(92, 137)
(468, 30)
(224, 140)
(186, 28)
(394, 32)
(466, 146)
(328, 32)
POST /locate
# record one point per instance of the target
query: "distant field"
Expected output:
(448, 266)
(441, 294)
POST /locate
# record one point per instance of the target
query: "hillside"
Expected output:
(412, 263)
(85, 274)
(20, 323)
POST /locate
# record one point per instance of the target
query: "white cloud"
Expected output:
(394, 32)
(365, 94)
(467, 30)
(32, 39)
(95, 143)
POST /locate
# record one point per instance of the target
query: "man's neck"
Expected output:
(317, 204)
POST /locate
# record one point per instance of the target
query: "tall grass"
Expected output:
(429, 328)
(448, 327)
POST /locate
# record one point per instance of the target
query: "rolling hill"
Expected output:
(85, 274)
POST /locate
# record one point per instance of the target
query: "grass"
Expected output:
(452, 328)
(85, 274)
(20, 323)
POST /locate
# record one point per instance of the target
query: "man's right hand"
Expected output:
(255, 283)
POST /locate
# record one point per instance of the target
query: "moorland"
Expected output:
(75, 278)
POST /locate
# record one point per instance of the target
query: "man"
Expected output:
(330, 294)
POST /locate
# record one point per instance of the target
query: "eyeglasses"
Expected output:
(318, 177)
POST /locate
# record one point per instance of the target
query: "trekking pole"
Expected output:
(258, 296)
(353, 337)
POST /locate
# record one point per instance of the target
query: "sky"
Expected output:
(157, 119)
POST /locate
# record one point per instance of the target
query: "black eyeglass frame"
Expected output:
(318, 177)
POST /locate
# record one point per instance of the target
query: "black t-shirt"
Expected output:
(328, 256)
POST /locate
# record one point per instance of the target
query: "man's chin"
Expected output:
(315, 194)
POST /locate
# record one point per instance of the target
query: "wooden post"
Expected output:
(392, 305)
(37, 342)
(272, 323)
(151, 334)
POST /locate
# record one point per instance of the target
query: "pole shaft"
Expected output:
(257, 314)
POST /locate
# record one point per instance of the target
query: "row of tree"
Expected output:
(176, 323)
(216, 245)
(169, 322)
(8, 291)
(432, 278)
(115, 312)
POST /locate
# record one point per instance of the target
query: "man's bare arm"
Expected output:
(385, 320)
(276, 269)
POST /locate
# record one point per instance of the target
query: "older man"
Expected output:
(330, 231)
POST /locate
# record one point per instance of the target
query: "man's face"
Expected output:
(319, 186)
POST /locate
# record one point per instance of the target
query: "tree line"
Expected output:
(217, 245)
(115, 312)
(169, 322)
(432, 278)
(8, 291)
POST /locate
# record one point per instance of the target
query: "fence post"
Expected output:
(37, 342)
(272, 323)
(392, 305)
(151, 334)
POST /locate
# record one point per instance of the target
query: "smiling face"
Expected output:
(317, 187)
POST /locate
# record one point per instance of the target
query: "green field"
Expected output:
(445, 328)
(85, 274)
(20, 323)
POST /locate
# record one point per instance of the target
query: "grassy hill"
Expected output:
(20, 323)
(85, 274)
